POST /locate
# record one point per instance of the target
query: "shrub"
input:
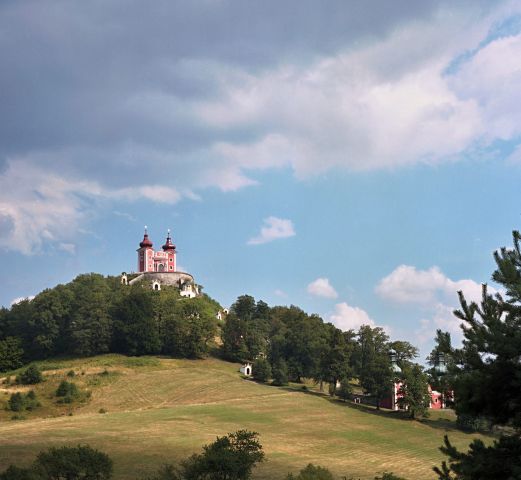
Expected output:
(67, 391)
(16, 402)
(31, 376)
(312, 472)
(16, 417)
(71, 373)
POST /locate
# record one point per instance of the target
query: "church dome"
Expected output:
(146, 241)
(168, 244)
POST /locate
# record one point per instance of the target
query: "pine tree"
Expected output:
(487, 375)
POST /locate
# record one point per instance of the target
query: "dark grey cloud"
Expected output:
(72, 71)
(99, 99)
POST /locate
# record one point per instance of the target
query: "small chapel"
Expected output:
(158, 268)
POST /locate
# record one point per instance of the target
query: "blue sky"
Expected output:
(360, 161)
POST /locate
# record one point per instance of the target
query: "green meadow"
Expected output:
(159, 411)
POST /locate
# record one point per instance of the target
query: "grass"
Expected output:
(162, 410)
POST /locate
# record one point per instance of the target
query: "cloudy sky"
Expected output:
(360, 159)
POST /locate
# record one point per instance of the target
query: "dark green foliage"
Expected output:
(187, 327)
(95, 314)
(135, 330)
(166, 472)
(66, 389)
(414, 391)
(389, 476)
(486, 375)
(18, 402)
(73, 463)
(441, 375)
(377, 376)
(473, 424)
(11, 354)
(500, 461)
(345, 389)
(280, 373)
(312, 472)
(30, 376)
(246, 330)
(261, 370)
(228, 458)
(17, 473)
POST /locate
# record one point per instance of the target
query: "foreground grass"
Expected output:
(161, 411)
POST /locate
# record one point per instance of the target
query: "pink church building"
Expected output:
(160, 261)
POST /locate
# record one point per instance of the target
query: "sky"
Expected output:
(359, 159)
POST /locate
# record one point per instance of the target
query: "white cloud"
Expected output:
(38, 206)
(14, 301)
(273, 229)
(322, 288)
(67, 247)
(432, 295)
(357, 106)
(280, 293)
(347, 317)
(407, 285)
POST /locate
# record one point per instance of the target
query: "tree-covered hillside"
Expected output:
(94, 314)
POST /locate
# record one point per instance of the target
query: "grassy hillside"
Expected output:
(162, 410)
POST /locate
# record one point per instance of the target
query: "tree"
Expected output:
(228, 458)
(261, 370)
(312, 472)
(335, 360)
(377, 376)
(73, 463)
(64, 463)
(499, 461)
(11, 354)
(135, 329)
(30, 376)
(345, 390)
(280, 373)
(405, 352)
(441, 360)
(487, 375)
(414, 392)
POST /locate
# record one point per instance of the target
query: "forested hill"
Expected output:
(94, 314)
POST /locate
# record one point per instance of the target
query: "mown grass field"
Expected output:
(160, 411)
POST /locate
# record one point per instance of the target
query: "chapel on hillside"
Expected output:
(157, 268)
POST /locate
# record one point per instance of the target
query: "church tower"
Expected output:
(145, 255)
(169, 249)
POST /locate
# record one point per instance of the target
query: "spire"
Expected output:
(146, 241)
(168, 244)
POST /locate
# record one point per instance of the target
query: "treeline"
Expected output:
(291, 345)
(94, 314)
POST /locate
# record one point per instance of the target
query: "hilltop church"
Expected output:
(157, 268)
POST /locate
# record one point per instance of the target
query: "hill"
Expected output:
(162, 410)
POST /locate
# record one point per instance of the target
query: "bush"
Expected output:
(67, 391)
(312, 472)
(261, 370)
(16, 402)
(31, 376)
(71, 373)
(473, 424)
(19, 402)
